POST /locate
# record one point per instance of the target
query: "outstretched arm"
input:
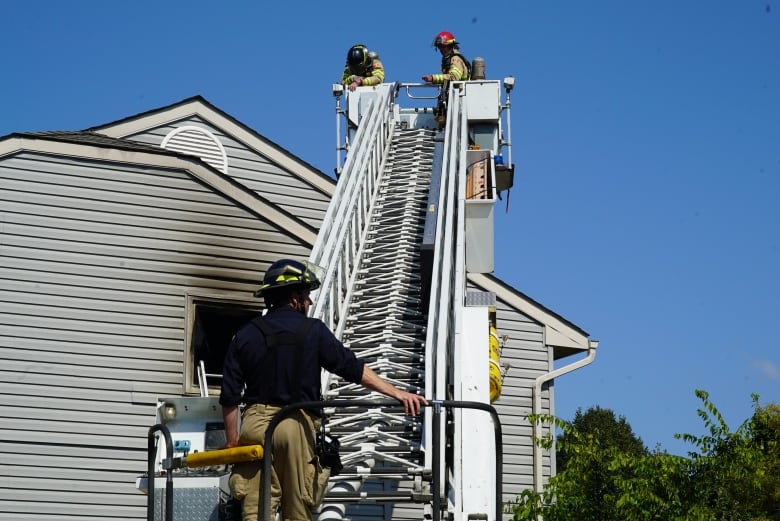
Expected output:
(412, 402)
(458, 71)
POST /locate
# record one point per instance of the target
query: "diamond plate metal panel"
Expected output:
(189, 504)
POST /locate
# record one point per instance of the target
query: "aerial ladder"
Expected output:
(411, 215)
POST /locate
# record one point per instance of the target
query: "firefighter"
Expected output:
(276, 361)
(454, 66)
(363, 68)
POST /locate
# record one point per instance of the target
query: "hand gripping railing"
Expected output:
(346, 222)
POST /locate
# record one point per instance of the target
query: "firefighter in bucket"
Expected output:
(454, 67)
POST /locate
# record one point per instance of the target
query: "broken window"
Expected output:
(212, 325)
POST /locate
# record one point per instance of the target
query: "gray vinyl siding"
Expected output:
(255, 172)
(96, 261)
(529, 358)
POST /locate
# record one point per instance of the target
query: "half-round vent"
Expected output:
(199, 142)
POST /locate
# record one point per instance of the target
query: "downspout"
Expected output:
(537, 406)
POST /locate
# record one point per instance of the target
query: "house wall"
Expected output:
(96, 260)
(255, 172)
(528, 356)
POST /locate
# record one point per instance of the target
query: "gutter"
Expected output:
(537, 406)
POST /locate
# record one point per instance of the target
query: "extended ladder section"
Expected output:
(412, 213)
(371, 298)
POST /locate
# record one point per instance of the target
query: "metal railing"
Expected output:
(343, 229)
(150, 471)
(436, 406)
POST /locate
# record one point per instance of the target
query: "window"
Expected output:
(211, 325)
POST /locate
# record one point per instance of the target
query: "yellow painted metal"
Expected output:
(225, 456)
(495, 365)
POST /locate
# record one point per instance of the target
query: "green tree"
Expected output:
(733, 475)
(766, 434)
(607, 429)
(729, 476)
(600, 464)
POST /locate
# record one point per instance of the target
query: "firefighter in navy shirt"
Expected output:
(265, 375)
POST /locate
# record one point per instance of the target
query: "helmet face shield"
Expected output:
(315, 274)
(287, 272)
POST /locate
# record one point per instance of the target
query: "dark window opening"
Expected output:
(214, 327)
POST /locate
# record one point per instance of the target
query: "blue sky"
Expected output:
(646, 139)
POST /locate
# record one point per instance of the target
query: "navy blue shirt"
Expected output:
(284, 377)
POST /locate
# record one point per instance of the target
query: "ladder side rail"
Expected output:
(441, 314)
(349, 182)
(458, 111)
(348, 188)
(455, 471)
(354, 235)
(382, 94)
(343, 219)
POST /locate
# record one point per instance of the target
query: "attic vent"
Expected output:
(198, 142)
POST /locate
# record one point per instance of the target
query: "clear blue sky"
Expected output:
(646, 141)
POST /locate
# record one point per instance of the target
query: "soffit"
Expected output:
(561, 334)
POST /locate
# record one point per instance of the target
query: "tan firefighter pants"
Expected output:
(298, 481)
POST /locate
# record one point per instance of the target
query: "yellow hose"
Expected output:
(225, 456)
(495, 365)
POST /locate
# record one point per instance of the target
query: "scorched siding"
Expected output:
(96, 260)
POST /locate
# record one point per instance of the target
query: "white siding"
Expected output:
(95, 262)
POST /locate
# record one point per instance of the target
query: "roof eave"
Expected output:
(200, 107)
(262, 208)
(563, 336)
